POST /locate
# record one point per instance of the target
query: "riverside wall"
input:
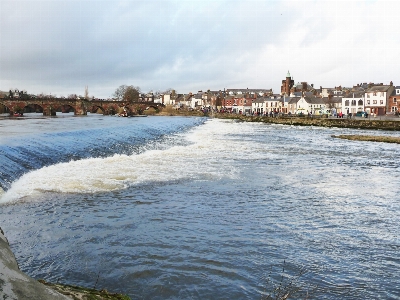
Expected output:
(373, 124)
(16, 285)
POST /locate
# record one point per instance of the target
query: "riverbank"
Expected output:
(380, 123)
(369, 138)
(14, 284)
(374, 124)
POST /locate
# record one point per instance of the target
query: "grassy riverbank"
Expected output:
(369, 138)
(392, 125)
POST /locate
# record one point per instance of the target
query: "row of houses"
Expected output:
(374, 99)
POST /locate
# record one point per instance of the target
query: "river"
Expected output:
(186, 207)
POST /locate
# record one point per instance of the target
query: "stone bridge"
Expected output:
(49, 106)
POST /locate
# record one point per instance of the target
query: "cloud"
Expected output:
(62, 46)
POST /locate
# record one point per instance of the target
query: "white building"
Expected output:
(353, 103)
(377, 99)
(167, 99)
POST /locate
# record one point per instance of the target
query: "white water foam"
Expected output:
(208, 157)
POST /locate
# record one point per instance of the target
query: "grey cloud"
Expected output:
(64, 45)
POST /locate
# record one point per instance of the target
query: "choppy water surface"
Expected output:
(168, 208)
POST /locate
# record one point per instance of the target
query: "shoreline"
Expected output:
(368, 138)
(390, 125)
(15, 284)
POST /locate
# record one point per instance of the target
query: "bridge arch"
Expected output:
(4, 109)
(33, 107)
(106, 108)
(151, 109)
(65, 108)
(95, 109)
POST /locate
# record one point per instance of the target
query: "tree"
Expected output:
(86, 95)
(119, 92)
(167, 91)
(132, 94)
(127, 93)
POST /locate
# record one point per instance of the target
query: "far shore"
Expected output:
(320, 121)
(356, 123)
(369, 138)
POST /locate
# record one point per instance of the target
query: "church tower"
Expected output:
(287, 84)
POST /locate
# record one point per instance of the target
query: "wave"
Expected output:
(210, 151)
(207, 153)
(21, 154)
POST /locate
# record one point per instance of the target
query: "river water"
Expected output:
(179, 208)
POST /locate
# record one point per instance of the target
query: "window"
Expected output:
(382, 94)
(360, 102)
(374, 101)
(381, 101)
(346, 103)
(394, 108)
(394, 100)
(374, 94)
(353, 102)
(368, 95)
(368, 102)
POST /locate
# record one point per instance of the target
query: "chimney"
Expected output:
(391, 83)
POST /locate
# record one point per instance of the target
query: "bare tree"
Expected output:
(86, 95)
(120, 92)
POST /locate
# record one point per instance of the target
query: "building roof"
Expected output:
(259, 100)
(378, 88)
(297, 94)
(314, 100)
(246, 90)
(294, 100)
(332, 100)
(357, 94)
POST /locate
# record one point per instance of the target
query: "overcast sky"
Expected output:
(61, 46)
